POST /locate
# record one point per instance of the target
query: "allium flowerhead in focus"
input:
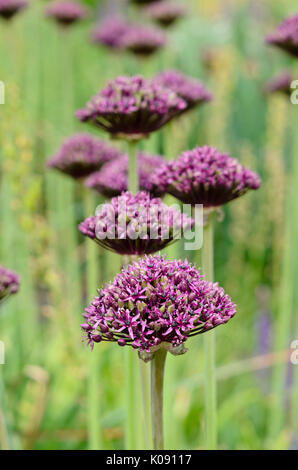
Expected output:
(156, 303)
(9, 283)
(82, 154)
(112, 179)
(111, 31)
(191, 90)
(135, 225)
(206, 176)
(286, 36)
(165, 13)
(143, 40)
(281, 84)
(66, 12)
(8, 8)
(132, 107)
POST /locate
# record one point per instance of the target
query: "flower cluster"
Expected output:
(281, 83)
(191, 90)
(135, 225)
(111, 32)
(205, 176)
(156, 303)
(144, 2)
(165, 13)
(286, 36)
(8, 8)
(132, 107)
(82, 154)
(9, 283)
(112, 179)
(143, 40)
(66, 12)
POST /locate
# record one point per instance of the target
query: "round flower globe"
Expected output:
(156, 303)
(135, 225)
(144, 2)
(286, 36)
(111, 31)
(280, 84)
(165, 13)
(9, 283)
(9, 8)
(143, 41)
(66, 13)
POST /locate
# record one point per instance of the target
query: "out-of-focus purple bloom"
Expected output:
(9, 283)
(165, 13)
(135, 225)
(286, 36)
(156, 303)
(111, 31)
(143, 40)
(132, 107)
(66, 12)
(112, 179)
(82, 154)
(191, 90)
(144, 2)
(205, 176)
(281, 84)
(8, 8)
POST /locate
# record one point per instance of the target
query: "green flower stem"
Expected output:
(145, 385)
(4, 445)
(209, 344)
(133, 170)
(157, 383)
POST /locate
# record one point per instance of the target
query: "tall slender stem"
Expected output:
(209, 344)
(157, 383)
(133, 170)
(4, 445)
(145, 385)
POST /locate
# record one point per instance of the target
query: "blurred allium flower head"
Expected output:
(144, 2)
(135, 225)
(286, 36)
(110, 32)
(281, 84)
(66, 12)
(156, 303)
(165, 13)
(189, 89)
(205, 176)
(82, 154)
(143, 40)
(8, 8)
(9, 283)
(112, 179)
(132, 107)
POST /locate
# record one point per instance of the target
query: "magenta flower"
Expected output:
(286, 36)
(112, 179)
(156, 303)
(135, 225)
(165, 13)
(8, 8)
(111, 31)
(191, 90)
(205, 176)
(132, 107)
(66, 12)
(9, 283)
(143, 40)
(81, 155)
(281, 84)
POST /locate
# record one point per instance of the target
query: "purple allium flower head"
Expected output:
(110, 32)
(82, 154)
(165, 13)
(9, 283)
(286, 36)
(112, 179)
(132, 107)
(135, 225)
(144, 2)
(66, 12)
(143, 40)
(281, 84)
(8, 8)
(156, 303)
(205, 176)
(189, 89)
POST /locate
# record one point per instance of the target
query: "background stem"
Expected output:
(157, 382)
(133, 170)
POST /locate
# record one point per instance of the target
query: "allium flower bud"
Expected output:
(165, 13)
(66, 12)
(143, 40)
(111, 31)
(281, 84)
(168, 317)
(135, 225)
(82, 154)
(112, 179)
(286, 36)
(205, 176)
(9, 283)
(191, 90)
(8, 8)
(132, 107)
